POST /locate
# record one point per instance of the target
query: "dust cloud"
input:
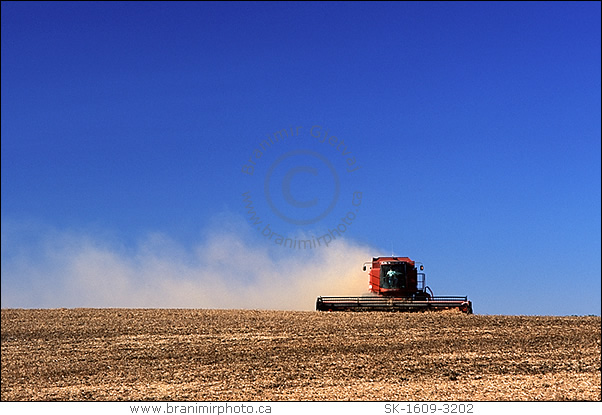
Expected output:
(226, 270)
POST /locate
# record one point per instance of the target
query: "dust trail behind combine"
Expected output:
(226, 270)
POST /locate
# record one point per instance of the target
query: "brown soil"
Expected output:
(225, 355)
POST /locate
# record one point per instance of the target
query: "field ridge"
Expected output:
(255, 355)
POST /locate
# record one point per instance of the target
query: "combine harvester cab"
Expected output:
(396, 284)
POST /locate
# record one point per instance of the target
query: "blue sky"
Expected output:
(473, 129)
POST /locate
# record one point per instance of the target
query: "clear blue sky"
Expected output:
(475, 127)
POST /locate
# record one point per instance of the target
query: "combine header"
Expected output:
(395, 285)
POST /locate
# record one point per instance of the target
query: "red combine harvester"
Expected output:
(395, 285)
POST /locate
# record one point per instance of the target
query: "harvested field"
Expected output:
(202, 355)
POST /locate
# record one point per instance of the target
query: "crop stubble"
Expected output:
(213, 355)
